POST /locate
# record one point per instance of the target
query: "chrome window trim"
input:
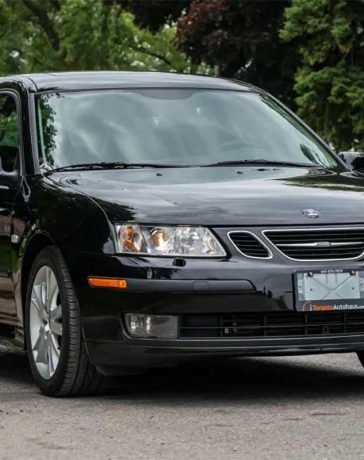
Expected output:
(275, 230)
(270, 254)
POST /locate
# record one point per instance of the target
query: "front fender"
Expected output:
(62, 216)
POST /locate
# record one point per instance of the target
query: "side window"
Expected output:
(9, 133)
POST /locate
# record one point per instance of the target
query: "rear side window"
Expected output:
(9, 133)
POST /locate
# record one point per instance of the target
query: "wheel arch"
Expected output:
(37, 242)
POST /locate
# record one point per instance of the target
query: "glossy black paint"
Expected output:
(75, 211)
(226, 196)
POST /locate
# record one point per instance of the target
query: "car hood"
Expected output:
(222, 196)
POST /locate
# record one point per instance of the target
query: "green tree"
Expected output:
(154, 14)
(81, 35)
(238, 39)
(330, 79)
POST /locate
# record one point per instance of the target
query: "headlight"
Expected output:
(183, 241)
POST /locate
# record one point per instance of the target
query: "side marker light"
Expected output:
(107, 282)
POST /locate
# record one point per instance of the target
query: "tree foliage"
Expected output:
(81, 34)
(154, 14)
(308, 53)
(330, 77)
(239, 39)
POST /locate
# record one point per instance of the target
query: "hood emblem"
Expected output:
(311, 213)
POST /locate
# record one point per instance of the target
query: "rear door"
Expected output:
(9, 162)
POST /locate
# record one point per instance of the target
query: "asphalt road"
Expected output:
(277, 408)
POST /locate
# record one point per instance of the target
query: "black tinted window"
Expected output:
(9, 133)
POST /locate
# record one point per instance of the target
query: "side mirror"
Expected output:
(8, 179)
(353, 160)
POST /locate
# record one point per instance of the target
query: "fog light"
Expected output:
(151, 326)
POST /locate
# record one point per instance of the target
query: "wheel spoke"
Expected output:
(56, 327)
(36, 299)
(51, 360)
(54, 345)
(43, 292)
(42, 349)
(56, 312)
(37, 343)
(52, 288)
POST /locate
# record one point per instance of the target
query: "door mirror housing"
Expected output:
(8, 179)
(353, 160)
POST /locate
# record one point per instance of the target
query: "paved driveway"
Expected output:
(289, 408)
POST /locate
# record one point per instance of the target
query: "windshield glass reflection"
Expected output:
(171, 126)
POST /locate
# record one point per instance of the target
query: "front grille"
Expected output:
(277, 324)
(319, 244)
(249, 245)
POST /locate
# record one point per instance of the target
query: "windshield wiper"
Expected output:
(111, 165)
(124, 165)
(262, 162)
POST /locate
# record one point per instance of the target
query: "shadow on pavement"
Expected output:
(230, 380)
(14, 366)
(246, 379)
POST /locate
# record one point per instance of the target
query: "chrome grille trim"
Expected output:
(315, 244)
(269, 252)
(327, 244)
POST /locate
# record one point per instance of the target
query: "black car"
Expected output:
(149, 219)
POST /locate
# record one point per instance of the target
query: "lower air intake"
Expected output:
(285, 324)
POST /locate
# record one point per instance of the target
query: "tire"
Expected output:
(68, 371)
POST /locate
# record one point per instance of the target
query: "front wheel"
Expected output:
(56, 350)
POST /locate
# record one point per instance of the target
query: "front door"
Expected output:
(9, 162)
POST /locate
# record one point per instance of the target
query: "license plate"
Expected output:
(326, 290)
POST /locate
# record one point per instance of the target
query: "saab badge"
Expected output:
(311, 213)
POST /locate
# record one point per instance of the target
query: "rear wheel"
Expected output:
(56, 349)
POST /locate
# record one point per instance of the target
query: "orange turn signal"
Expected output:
(107, 283)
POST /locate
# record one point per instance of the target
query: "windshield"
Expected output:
(172, 127)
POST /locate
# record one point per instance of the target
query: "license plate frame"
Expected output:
(347, 294)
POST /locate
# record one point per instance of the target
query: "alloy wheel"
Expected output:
(45, 322)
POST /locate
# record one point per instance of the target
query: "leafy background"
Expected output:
(308, 53)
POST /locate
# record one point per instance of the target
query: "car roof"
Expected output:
(70, 81)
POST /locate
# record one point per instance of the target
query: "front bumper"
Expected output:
(154, 353)
(232, 286)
